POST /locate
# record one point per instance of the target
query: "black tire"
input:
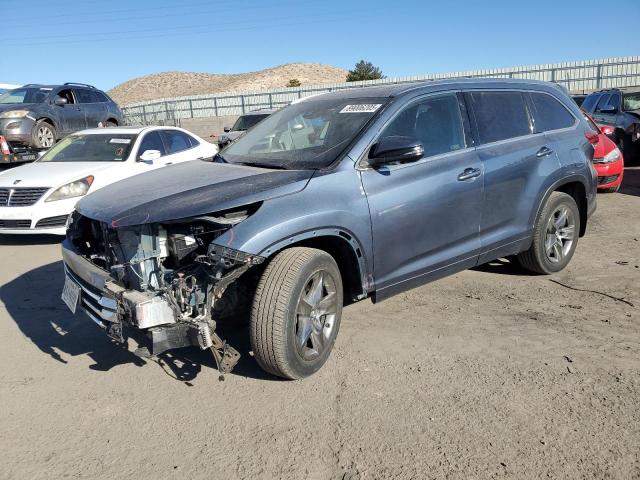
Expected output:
(536, 259)
(43, 135)
(275, 325)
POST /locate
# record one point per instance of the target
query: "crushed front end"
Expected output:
(167, 280)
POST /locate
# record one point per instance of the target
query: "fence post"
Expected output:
(191, 108)
(270, 101)
(242, 101)
(215, 106)
(553, 75)
(598, 76)
(144, 114)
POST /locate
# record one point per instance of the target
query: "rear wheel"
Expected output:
(296, 312)
(555, 236)
(43, 135)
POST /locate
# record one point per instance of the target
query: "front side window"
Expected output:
(176, 141)
(590, 102)
(500, 115)
(603, 102)
(550, 114)
(435, 122)
(614, 101)
(68, 94)
(25, 95)
(152, 141)
(245, 122)
(310, 134)
(631, 102)
(91, 148)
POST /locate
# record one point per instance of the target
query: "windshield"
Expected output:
(309, 134)
(245, 122)
(25, 95)
(91, 148)
(631, 101)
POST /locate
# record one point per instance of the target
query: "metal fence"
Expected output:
(577, 77)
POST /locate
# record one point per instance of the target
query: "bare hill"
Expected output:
(176, 84)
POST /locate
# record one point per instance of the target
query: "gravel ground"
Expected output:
(490, 373)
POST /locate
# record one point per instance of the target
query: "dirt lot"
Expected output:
(491, 373)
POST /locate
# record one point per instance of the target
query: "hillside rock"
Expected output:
(177, 84)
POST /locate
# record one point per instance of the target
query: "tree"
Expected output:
(294, 82)
(364, 71)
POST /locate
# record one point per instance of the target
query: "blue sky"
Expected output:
(107, 42)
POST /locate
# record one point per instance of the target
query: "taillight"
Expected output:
(592, 137)
(607, 130)
(4, 146)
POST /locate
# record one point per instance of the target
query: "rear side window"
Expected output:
(500, 115)
(550, 114)
(101, 97)
(590, 102)
(176, 141)
(86, 96)
(151, 141)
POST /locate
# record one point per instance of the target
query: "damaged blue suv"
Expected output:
(357, 194)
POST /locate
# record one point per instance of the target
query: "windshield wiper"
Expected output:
(263, 165)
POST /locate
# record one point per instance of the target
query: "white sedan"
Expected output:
(38, 197)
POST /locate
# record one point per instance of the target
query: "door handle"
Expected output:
(469, 173)
(543, 152)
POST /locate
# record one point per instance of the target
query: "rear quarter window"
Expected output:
(549, 113)
(500, 115)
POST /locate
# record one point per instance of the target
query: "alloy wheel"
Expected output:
(560, 234)
(316, 315)
(45, 136)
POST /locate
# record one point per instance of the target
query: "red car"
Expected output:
(607, 160)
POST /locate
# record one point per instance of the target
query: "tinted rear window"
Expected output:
(500, 115)
(590, 102)
(550, 114)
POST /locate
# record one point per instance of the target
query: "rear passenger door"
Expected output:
(94, 111)
(515, 160)
(179, 146)
(425, 214)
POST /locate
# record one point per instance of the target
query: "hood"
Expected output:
(186, 190)
(6, 107)
(52, 174)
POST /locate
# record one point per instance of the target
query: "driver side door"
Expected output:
(425, 215)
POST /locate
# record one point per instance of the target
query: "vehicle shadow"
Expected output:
(502, 266)
(631, 182)
(33, 302)
(39, 239)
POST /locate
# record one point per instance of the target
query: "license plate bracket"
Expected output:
(71, 294)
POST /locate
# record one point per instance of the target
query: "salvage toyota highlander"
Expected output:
(356, 194)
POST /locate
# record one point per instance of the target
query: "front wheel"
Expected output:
(43, 135)
(296, 312)
(555, 236)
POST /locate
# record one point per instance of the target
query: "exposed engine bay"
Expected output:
(168, 279)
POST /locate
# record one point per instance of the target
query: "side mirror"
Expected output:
(608, 109)
(60, 101)
(395, 149)
(227, 129)
(149, 156)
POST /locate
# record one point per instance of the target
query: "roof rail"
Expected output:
(80, 84)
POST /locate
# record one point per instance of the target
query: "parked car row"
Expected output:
(357, 194)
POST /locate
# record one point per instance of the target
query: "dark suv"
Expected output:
(357, 194)
(618, 108)
(38, 115)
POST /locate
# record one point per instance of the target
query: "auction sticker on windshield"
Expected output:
(120, 140)
(361, 108)
(71, 294)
